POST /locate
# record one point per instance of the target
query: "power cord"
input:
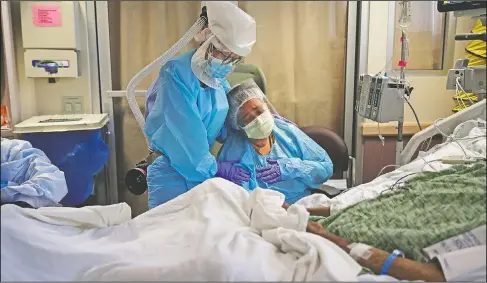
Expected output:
(397, 182)
(414, 113)
(428, 163)
(387, 166)
(448, 136)
(459, 85)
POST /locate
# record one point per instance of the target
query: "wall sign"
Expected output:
(46, 15)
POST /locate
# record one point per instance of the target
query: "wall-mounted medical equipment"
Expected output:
(462, 8)
(60, 63)
(470, 79)
(50, 32)
(380, 98)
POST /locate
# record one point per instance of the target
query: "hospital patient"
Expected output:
(431, 208)
(394, 266)
(278, 155)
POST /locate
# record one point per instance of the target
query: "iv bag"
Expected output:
(405, 15)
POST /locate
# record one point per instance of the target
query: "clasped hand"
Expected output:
(269, 174)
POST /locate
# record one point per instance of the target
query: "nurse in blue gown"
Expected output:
(187, 106)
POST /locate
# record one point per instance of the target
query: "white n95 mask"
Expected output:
(261, 127)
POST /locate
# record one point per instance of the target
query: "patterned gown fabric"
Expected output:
(430, 208)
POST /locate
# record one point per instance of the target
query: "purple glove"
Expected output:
(270, 174)
(227, 170)
(277, 117)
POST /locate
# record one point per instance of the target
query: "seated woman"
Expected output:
(28, 177)
(278, 155)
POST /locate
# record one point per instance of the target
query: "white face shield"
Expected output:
(232, 32)
(208, 69)
(232, 26)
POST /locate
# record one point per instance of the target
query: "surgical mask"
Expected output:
(218, 70)
(261, 127)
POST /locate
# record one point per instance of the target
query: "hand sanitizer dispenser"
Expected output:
(50, 36)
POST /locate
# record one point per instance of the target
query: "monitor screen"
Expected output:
(449, 6)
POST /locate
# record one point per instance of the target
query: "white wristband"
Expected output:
(360, 251)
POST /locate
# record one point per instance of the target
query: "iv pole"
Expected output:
(400, 123)
(402, 65)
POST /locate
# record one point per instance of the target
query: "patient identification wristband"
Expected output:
(360, 251)
(389, 260)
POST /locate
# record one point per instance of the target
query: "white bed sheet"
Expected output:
(215, 232)
(464, 134)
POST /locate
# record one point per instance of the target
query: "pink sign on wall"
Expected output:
(46, 15)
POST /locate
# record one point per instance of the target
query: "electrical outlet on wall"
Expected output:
(72, 104)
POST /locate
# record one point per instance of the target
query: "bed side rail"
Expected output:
(447, 126)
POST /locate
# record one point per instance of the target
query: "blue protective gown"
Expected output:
(304, 164)
(183, 124)
(28, 175)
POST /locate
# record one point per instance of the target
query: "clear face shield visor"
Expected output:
(219, 51)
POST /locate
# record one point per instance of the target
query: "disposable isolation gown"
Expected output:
(28, 176)
(303, 163)
(183, 124)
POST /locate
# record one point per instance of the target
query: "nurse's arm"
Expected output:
(401, 268)
(182, 135)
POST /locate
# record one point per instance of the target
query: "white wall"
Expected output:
(37, 96)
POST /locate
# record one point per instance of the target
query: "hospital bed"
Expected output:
(464, 135)
(209, 234)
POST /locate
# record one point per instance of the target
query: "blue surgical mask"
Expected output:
(218, 70)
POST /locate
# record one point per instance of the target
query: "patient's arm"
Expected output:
(401, 268)
(320, 211)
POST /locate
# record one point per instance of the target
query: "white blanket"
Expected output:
(469, 137)
(215, 232)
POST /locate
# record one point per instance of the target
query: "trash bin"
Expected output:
(75, 144)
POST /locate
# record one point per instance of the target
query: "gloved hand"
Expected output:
(227, 170)
(277, 117)
(269, 174)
